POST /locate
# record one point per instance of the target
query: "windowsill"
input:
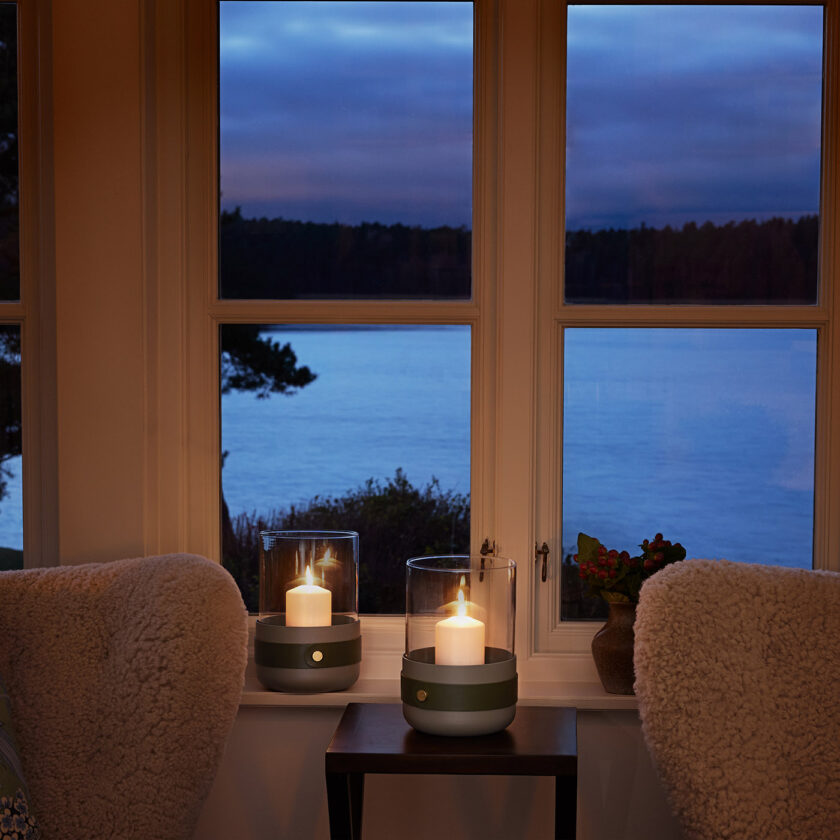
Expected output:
(581, 695)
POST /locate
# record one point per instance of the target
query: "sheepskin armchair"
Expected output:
(124, 679)
(738, 682)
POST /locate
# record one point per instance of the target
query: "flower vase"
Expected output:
(612, 649)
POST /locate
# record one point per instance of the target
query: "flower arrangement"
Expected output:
(615, 575)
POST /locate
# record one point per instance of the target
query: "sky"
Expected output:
(358, 112)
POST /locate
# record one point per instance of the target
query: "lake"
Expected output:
(705, 435)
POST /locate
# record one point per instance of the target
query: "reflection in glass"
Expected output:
(704, 435)
(345, 149)
(11, 504)
(693, 153)
(374, 437)
(9, 226)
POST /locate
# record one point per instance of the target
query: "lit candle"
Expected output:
(308, 605)
(459, 639)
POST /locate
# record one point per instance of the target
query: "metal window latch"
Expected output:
(487, 548)
(542, 551)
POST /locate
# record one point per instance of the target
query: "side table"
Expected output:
(375, 738)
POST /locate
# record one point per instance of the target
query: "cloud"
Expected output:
(363, 111)
(348, 111)
(692, 113)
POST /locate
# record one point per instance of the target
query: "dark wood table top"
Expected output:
(375, 738)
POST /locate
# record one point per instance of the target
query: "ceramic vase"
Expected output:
(612, 649)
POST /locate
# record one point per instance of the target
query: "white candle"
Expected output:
(308, 605)
(459, 639)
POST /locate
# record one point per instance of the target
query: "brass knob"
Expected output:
(422, 694)
(317, 655)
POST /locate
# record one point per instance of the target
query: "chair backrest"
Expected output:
(124, 680)
(738, 683)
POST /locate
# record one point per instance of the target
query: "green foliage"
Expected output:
(774, 261)
(618, 577)
(10, 558)
(253, 363)
(394, 519)
(282, 258)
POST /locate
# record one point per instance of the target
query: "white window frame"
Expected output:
(515, 314)
(205, 312)
(552, 635)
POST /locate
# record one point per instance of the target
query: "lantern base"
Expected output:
(459, 699)
(307, 660)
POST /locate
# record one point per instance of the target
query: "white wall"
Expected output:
(271, 784)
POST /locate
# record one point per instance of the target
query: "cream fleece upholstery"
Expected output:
(124, 680)
(738, 682)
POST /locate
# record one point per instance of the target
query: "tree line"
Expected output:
(772, 261)
(281, 258)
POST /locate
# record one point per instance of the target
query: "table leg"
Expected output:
(345, 797)
(565, 807)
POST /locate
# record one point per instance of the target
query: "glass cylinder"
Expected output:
(460, 609)
(308, 636)
(309, 575)
(459, 668)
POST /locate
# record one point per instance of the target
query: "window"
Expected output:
(346, 181)
(686, 338)
(11, 440)
(536, 306)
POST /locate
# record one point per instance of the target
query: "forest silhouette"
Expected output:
(757, 262)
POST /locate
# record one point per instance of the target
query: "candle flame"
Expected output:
(462, 604)
(309, 579)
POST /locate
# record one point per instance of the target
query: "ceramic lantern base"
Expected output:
(307, 660)
(459, 699)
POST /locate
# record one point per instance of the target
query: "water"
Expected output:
(11, 506)
(385, 398)
(705, 435)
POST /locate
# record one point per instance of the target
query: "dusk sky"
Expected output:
(357, 112)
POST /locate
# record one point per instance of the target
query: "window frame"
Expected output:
(207, 311)
(552, 635)
(34, 312)
(517, 266)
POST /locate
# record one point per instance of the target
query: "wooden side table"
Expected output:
(375, 738)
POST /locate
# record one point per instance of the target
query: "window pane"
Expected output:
(704, 435)
(378, 442)
(11, 503)
(9, 253)
(346, 149)
(693, 154)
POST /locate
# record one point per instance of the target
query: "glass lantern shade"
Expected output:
(459, 668)
(309, 576)
(308, 636)
(460, 609)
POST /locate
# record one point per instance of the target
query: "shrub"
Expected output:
(394, 519)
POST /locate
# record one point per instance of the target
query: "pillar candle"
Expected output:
(459, 639)
(308, 605)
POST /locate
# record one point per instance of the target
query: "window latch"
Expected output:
(542, 551)
(486, 548)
